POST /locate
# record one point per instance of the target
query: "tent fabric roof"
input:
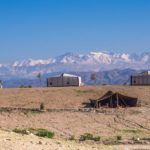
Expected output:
(114, 100)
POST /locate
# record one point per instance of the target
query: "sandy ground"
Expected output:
(128, 123)
(12, 141)
(67, 124)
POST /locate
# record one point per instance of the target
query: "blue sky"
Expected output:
(48, 28)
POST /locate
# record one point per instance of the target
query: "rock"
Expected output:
(8, 139)
(40, 143)
(28, 132)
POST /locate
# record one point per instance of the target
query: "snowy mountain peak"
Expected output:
(92, 58)
(32, 62)
(93, 61)
(101, 57)
(126, 57)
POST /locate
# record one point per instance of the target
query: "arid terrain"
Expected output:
(68, 118)
(12, 141)
(72, 97)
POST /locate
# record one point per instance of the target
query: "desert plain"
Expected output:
(65, 113)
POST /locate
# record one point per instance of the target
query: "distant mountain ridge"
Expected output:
(113, 77)
(69, 62)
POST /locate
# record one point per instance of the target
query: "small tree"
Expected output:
(93, 77)
(42, 106)
(29, 86)
(40, 78)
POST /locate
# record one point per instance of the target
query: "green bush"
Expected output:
(119, 137)
(72, 138)
(86, 136)
(89, 136)
(38, 132)
(85, 91)
(111, 141)
(44, 133)
(21, 131)
(97, 138)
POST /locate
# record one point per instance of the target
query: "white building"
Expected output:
(141, 79)
(64, 80)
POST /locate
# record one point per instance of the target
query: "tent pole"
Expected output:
(123, 101)
(117, 99)
(111, 105)
(96, 104)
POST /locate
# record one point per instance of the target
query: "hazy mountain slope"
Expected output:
(115, 76)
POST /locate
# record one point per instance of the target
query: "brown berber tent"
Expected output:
(113, 100)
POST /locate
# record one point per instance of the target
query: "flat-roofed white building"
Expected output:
(64, 80)
(141, 79)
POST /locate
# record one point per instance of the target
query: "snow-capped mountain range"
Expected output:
(93, 61)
